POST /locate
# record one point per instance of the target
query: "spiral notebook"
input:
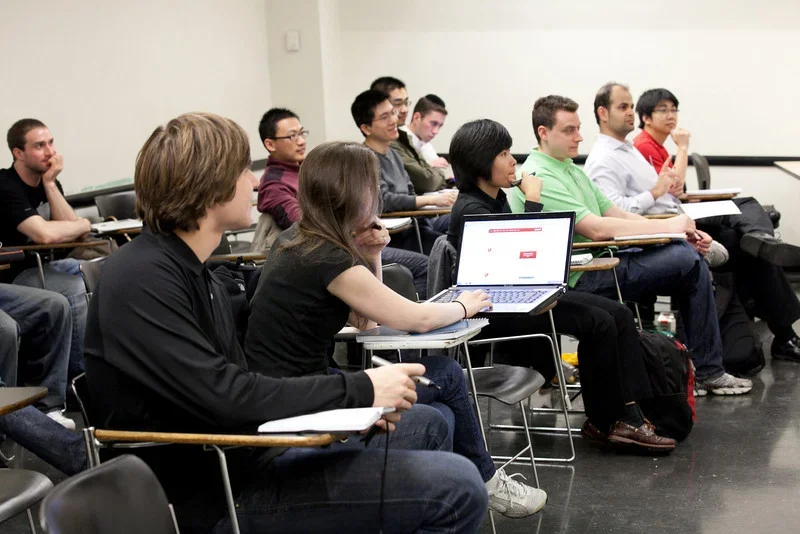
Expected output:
(445, 333)
(343, 420)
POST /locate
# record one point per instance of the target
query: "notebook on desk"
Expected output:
(112, 226)
(662, 235)
(521, 259)
(445, 333)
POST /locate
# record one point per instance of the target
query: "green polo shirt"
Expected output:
(565, 187)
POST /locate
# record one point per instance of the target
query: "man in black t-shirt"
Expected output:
(33, 210)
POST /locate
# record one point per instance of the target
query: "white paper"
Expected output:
(344, 420)
(701, 210)
(391, 224)
(711, 192)
(110, 226)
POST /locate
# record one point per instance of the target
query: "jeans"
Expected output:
(675, 270)
(338, 488)
(63, 276)
(417, 263)
(47, 439)
(453, 401)
(41, 321)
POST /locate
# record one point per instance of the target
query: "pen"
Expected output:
(380, 362)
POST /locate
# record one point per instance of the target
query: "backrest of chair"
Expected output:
(703, 172)
(91, 274)
(119, 205)
(121, 496)
(265, 234)
(400, 280)
(223, 248)
(441, 265)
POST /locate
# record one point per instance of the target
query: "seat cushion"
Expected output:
(507, 383)
(20, 489)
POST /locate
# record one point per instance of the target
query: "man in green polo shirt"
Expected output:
(673, 269)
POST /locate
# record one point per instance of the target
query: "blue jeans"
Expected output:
(337, 489)
(453, 401)
(41, 321)
(47, 439)
(63, 276)
(676, 270)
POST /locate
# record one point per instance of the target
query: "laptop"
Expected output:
(521, 259)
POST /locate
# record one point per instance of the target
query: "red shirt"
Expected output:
(652, 150)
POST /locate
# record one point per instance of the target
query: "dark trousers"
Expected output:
(752, 219)
(610, 356)
(761, 286)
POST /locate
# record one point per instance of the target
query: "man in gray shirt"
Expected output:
(376, 118)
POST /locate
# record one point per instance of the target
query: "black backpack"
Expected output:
(742, 353)
(240, 280)
(669, 366)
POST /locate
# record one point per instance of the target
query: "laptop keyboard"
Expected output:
(501, 296)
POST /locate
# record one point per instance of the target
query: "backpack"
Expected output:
(672, 409)
(742, 353)
(240, 280)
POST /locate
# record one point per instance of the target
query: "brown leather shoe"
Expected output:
(589, 431)
(645, 436)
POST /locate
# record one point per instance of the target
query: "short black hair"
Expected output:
(18, 131)
(268, 126)
(363, 108)
(473, 149)
(603, 97)
(426, 106)
(387, 84)
(649, 100)
(544, 111)
(436, 100)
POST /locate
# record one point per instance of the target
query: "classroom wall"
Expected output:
(730, 62)
(102, 74)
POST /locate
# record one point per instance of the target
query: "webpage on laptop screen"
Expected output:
(514, 252)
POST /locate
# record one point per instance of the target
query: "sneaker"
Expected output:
(717, 255)
(700, 392)
(726, 384)
(513, 498)
(61, 419)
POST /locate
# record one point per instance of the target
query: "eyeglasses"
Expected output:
(667, 111)
(293, 137)
(385, 117)
(400, 103)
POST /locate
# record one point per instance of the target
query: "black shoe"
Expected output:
(771, 249)
(788, 350)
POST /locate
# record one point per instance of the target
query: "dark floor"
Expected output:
(739, 471)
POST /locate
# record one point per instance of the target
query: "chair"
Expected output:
(90, 270)
(442, 257)
(118, 205)
(265, 234)
(20, 490)
(701, 168)
(400, 280)
(121, 496)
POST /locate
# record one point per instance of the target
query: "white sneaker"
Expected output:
(513, 498)
(726, 384)
(717, 255)
(61, 419)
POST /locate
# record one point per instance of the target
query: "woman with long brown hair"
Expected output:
(326, 271)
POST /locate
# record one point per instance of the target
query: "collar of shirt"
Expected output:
(415, 141)
(545, 162)
(613, 144)
(178, 248)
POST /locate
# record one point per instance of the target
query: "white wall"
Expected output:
(102, 74)
(731, 62)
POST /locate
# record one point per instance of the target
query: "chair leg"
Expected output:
(174, 519)
(419, 236)
(474, 389)
(30, 521)
(41, 269)
(92, 450)
(530, 443)
(226, 482)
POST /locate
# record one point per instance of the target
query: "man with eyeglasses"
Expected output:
(377, 120)
(285, 139)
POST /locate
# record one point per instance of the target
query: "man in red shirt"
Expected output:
(760, 281)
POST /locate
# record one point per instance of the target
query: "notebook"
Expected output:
(343, 420)
(650, 236)
(521, 259)
(701, 210)
(453, 331)
(712, 192)
(581, 259)
(112, 226)
(393, 223)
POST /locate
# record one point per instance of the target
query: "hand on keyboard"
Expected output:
(474, 301)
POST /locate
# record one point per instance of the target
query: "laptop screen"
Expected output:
(521, 249)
